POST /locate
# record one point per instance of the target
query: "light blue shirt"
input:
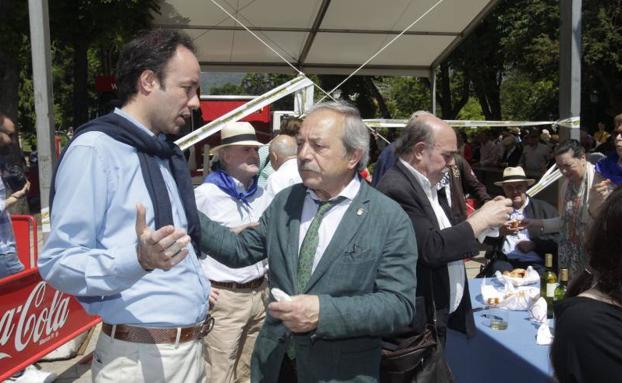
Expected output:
(91, 250)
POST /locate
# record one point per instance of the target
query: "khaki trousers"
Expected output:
(117, 361)
(238, 315)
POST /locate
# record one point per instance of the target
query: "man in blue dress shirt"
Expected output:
(141, 276)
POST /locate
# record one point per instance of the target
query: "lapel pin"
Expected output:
(360, 211)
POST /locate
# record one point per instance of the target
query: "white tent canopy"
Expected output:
(324, 36)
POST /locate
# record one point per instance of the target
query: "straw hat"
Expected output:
(516, 174)
(237, 133)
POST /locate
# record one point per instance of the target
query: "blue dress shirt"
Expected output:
(91, 251)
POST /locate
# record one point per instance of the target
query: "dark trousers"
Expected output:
(288, 371)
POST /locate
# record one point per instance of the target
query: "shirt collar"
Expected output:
(349, 192)
(292, 162)
(423, 180)
(238, 185)
(134, 121)
(520, 209)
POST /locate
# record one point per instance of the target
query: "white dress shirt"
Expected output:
(286, 176)
(331, 219)
(222, 208)
(454, 268)
(510, 241)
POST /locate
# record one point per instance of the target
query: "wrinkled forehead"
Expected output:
(445, 138)
(566, 159)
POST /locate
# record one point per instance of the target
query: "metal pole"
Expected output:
(42, 84)
(570, 66)
(433, 75)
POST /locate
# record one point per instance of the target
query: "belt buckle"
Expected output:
(207, 326)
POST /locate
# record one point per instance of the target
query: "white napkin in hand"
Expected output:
(544, 336)
(492, 232)
(537, 312)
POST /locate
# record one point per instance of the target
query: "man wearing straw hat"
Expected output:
(520, 246)
(231, 197)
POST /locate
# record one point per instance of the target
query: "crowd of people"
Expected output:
(183, 278)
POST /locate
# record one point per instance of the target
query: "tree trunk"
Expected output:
(450, 107)
(382, 105)
(443, 95)
(489, 95)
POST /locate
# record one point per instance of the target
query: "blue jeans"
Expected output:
(10, 264)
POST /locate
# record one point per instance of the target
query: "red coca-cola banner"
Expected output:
(35, 319)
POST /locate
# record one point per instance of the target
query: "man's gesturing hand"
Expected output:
(160, 249)
(300, 315)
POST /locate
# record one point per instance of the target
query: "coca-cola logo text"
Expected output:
(32, 321)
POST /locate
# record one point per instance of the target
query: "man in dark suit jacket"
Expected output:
(425, 151)
(363, 271)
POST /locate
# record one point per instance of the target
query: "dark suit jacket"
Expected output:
(463, 180)
(512, 157)
(365, 282)
(436, 248)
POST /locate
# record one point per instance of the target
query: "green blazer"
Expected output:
(366, 282)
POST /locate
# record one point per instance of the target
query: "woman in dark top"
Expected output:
(588, 327)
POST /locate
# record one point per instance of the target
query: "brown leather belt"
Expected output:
(158, 335)
(255, 283)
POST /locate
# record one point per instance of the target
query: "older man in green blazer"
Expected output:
(345, 253)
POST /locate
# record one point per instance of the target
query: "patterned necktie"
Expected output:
(307, 255)
(309, 245)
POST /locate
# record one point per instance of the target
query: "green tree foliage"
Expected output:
(88, 28)
(529, 36)
(602, 59)
(472, 110)
(14, 50)
(405, 95)
(360, 91)
(85, 38)
(509, 64)
(255, 84)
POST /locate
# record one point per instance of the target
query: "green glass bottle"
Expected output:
(560, 290)
(548, 283)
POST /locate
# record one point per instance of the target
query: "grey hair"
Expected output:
(417, 130)
(355, 133)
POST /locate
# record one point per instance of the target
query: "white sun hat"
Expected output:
(516, 174)
(237, 133)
